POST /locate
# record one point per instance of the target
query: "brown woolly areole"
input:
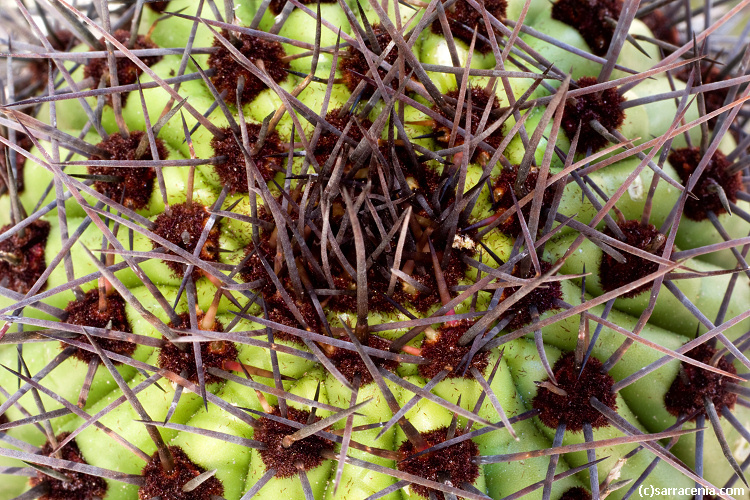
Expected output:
(463, 18)
(62, 41)
(542, 297)
(327, 141)
(276, 6)
(85, 312)
(228, 70)
(576, 493)
(686, 393)
(479, 99)
(233, 171)
(575, 409)
(22, 141)
(421, 177)
(685, 161)
(589, 18)
(183, 227)
(350, 363)
(79, 487)
(444, 352)
(377, 278)
(167, 485)
(213, 354)
(454, 461)
(127, 71)
(453, 273)
(601, 106)
(4, 419)
(502, 196)
(305, 451)
(613, 274)
(353, 64)
(377, 286)
(137, 184)
(27, 254)
(278, 310)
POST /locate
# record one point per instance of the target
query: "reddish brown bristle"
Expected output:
(305, 451)
(354, 65)
(685, 161)
(138, 182)
(278, 312)
(455, 461)
(213, 354)
(502, 194)
(377, 288)
(183, 227)
(479, 99)
(350, 364)
(86, 312)
(167, 485)
(327, 141)
(422, 178)
(79, 487)
(445, 352)
(601, 106)
(463, 19)
(24, 260)
(253, 269)
(686, 394)
(454, 272)
(278, 309)
(542, 297)
(127, 71)
(228, 70)
(233, 172)
(574, 409)
(613, 274)
(590, 19)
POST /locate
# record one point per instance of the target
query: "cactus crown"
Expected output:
(363, 250)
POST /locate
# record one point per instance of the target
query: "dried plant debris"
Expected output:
(356, 250)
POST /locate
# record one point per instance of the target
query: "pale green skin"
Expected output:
(523, 361)
(645, 397)
(504, 478)
(301, 26)
(156, 270)
(434, 50)
(37, 178)
(630, 57)
(706, 293)
(691, 233)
